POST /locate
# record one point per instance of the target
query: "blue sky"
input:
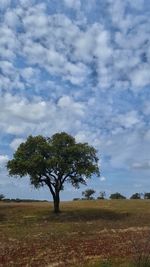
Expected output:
(80, 66)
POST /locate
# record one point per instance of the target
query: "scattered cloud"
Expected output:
(141, 165)
(78, 68)
(3, 160)
(102, 178)
(16, 142)
(75, 4)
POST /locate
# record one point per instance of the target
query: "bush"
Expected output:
(147, 196)
(136, 196)
(102, 195)
(117, 196)
(2, 197)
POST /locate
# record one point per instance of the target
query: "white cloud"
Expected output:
(67, 103)
(102, 178)
(137, 4)
(140, 77)
(141, 165)
(3, 160)
(11, 19)
(137, 185)
(128, 119)
(75, 4)
(26, 3)
(16, 142)
(4, 4)
(8, 43)
(80, 72)
(27, 73)
(21, 116)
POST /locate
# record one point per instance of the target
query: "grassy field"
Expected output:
(86, 233)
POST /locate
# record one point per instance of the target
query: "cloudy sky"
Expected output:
(80, 66)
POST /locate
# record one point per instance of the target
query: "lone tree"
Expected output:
(54, 161)
(88, 194)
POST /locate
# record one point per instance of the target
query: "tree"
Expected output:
(117, 196)
(146, 195)
(2, 197)
(136, 196)
(102, 195)
(88, 194)
(54, 161)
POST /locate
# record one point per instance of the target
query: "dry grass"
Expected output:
(85, 231)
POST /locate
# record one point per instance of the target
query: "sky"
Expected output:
(83, 67)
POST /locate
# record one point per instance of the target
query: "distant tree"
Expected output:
(146, 195)
(54, 161)
(88, 194)
(136, 196)
(117, 196)
(2, 197)
(76, 199)
(102, 195)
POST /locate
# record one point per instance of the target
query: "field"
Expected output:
(86, 233)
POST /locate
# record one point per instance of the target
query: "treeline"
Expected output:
(22, 200)
(2, 198)
(89, 195)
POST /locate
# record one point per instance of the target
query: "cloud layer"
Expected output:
(84, 69)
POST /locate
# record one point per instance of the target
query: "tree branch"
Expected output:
(70, 174)
(50, 185)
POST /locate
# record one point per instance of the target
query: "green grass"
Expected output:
(85, 232)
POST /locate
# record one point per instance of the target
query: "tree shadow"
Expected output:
(2, 217)
(88, 215)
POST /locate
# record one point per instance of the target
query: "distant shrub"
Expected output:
(2, 197)
(102, 195)
(23, 200)
(117, 196)
(76, 198)
(147, 196)
(136, 196)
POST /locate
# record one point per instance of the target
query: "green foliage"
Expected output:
(136, 196)
(54, 161)
(117, 196)
(76, 199)
(88, 194)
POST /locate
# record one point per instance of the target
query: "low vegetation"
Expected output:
(98, 233)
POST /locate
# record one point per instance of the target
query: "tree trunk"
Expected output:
(56, 202)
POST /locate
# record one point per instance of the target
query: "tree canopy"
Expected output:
(136, 196)
(88, 193)
(54, 161)
(117, 196)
